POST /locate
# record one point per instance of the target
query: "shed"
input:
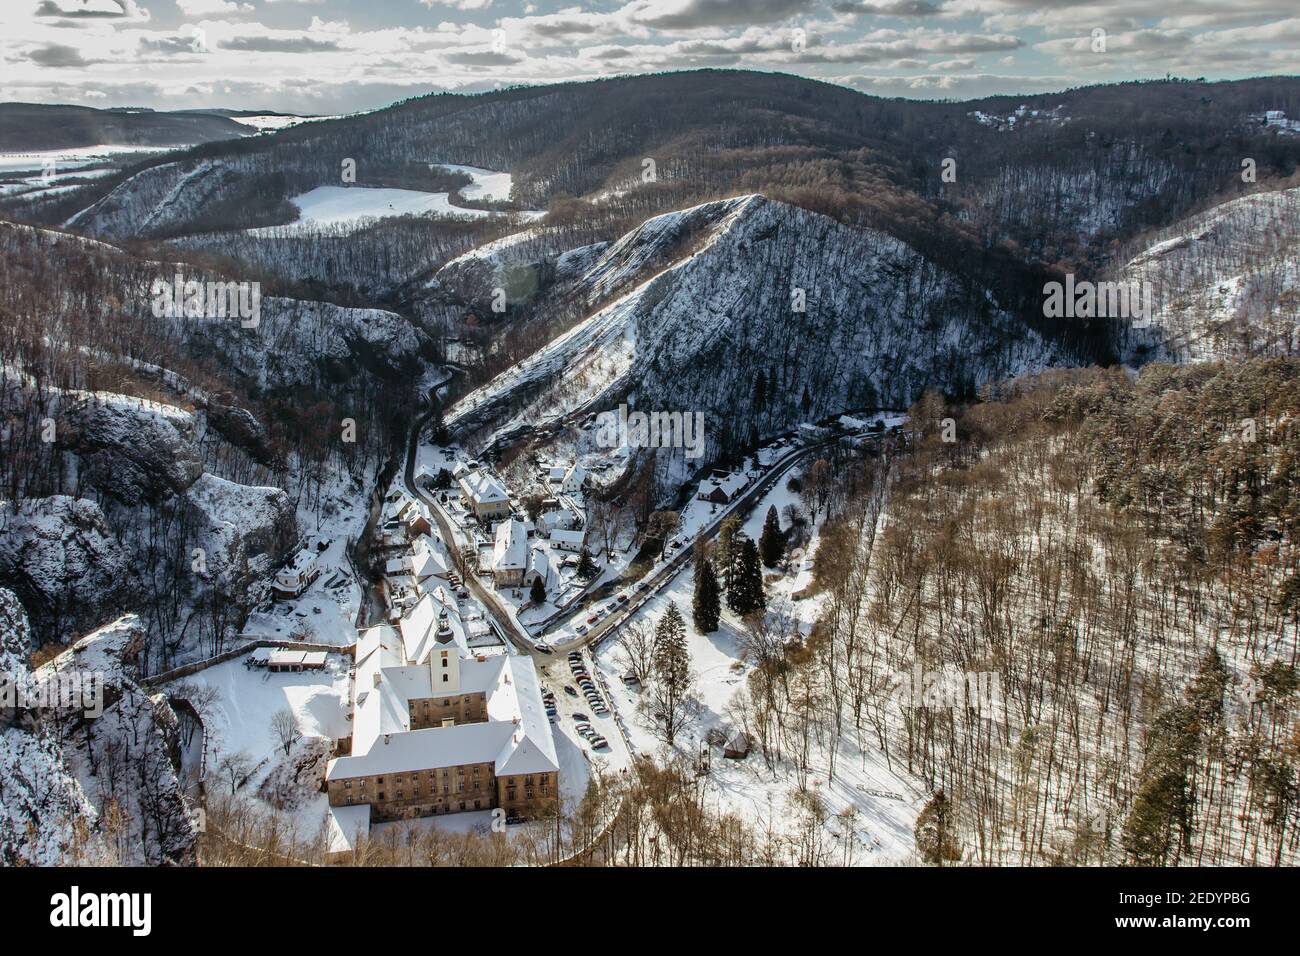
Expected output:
(737, 748)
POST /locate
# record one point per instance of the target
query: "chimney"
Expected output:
(376, 678)
(387, 738)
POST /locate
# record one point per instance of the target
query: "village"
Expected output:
(487, 690)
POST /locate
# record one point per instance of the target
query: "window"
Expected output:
(444, 678)
(444, 661)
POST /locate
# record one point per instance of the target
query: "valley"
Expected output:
(420, 557)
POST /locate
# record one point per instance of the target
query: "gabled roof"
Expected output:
(511, 550)
(483, 488)
(540, 561)
(566, 536)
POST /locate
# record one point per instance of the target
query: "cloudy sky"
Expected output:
(331, 56)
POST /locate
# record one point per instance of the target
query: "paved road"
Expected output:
(505, 624)
(601, 631)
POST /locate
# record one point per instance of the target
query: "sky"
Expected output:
(325, 57)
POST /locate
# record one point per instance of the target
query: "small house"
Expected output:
(297, 576)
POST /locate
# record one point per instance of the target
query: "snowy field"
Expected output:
(240, 719)
(82, 156)
(493, 187)
(351, 208)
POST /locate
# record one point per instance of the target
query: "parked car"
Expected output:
(593, 619)
(581, 629)
(543, 647)
(643, 586)
(568, 689)
(580, 717)
(622, 599)
(598, 742)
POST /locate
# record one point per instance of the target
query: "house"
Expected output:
(567, 540)
(810, 434)
(428, 563)
(463, 468)
(484, 495)
(436, 729)
(556, 517)
(510, 554)
(539, 567)
(722, 488)
(297, 576)
(423, 477)
(418, 520)
(556, 474)
(574, 479)
(295, 661)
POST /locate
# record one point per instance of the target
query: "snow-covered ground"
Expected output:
(82, 156)
(352, 208)
(269, 123)
(248, 698)
(489, 185)
(326, 612)
(886, 803)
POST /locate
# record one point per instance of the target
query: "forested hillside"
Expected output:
(1121, 556)
(129, 438)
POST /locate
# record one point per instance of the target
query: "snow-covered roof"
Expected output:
(510, 551)
(427, 561)
(575, 476)
(572, 538)
(540, 561)
(346, 826)
(482, 488)
(419, 629)
(729, 484)
(516, 737)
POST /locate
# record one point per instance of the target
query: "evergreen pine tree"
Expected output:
(771, 543)
(586, 567)
(726, 540)
(672, 665)
(537, 593)
(707, 605)
(746, 592)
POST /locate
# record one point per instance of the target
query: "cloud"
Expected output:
(947, 86)
(124, 10)
(458, 4)
(210, 8)
(891, 8)
(56, 56)
(694, 14)
(279, 44)
(484, 58)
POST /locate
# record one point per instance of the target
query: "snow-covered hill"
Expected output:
(691, 310)
(69, 795)
(1225, 283)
